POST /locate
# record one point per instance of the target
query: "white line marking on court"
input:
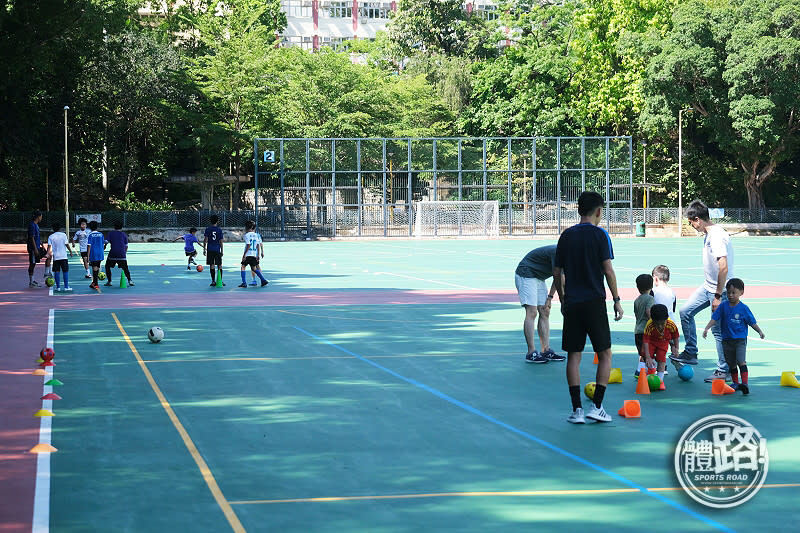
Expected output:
(428, 280)
(41, 497)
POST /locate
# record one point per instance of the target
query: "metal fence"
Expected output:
(306, 188)
(347, 223)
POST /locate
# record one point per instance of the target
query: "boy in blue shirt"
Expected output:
(189, 241)
(734, 317)
(118, 255)
(212, 248)
(95, 246)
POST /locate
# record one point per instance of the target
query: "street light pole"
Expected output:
(680, 168)
(66, 174)
(644, 178)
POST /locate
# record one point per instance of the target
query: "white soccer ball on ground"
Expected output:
(155, 334)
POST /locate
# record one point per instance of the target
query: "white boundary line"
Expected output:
(41, 498)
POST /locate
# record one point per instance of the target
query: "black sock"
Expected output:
(94, 276)
(575, 395)
(213, 275)
(599, 392)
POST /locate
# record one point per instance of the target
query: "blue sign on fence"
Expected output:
(269, 156)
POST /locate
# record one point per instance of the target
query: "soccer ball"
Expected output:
(101, 276)
(588, 390)
(47, 354)
(155, 334)
(49, 281)
(199, 268)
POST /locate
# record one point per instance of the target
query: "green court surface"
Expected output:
(381, 417)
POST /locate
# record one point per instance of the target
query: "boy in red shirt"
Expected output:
(659, 334)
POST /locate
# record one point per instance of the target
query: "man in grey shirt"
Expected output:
(532, 272)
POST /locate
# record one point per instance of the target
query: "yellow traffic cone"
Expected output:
(615, 376)
(788, 379)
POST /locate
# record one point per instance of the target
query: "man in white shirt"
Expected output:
(718, 269)
(252, 249)
(57, 244)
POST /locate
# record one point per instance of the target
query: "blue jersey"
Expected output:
(189, 241)
(33, 231)
(95, 243)
(119, 245)
(214, 236)
(733, 321)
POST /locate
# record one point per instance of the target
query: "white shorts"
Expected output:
(532, 291)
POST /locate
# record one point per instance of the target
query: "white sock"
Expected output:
(661, 376)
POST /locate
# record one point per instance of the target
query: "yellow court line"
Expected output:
(233, 520)
(473, 494)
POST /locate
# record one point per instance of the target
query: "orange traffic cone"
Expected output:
(642, 387)
(595, 358)
(719, 387)
(630, 409)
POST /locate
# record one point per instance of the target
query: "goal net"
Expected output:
(446, 218)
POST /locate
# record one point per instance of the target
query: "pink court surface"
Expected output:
(371, 386)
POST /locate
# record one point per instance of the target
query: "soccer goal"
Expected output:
(450, 218)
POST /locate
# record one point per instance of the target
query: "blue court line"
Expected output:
(527, 435)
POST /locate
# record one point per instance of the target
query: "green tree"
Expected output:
(237, 38)
(736, 66)
(441, 27)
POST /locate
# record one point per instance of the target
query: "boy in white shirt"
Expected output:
(57, 245)
(82, 238)
(252, 249)
(662, 293)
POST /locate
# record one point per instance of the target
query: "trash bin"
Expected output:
(640, 229)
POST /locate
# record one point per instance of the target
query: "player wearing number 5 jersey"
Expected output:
(253, 248)
(212, 248)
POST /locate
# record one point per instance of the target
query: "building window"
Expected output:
(338, 9)
(486, 11)
(374, 10)
(297, 8)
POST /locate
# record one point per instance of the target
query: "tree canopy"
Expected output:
(187, 91)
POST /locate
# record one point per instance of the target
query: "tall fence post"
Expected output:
(283, 194)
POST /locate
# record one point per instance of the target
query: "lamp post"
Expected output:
(680, 168)
(66, 175)
(644, 177)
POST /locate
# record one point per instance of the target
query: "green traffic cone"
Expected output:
(219, 277)
(123, 282)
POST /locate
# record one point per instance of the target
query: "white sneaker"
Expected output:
(598, 414)
(67, 289)
(577, 417)
(56, 289)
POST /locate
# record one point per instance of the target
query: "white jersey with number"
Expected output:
(253, 239)
(82, 236)
(58, 243)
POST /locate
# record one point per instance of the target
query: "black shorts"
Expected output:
(95, 263)
(586, 318)
(122, 263)
(191, 254)
(639, 339)
(84, 255)
(60, 265)
(214, 258)
(250, 261)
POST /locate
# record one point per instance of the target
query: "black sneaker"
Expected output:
(213, 284)
(107, 283)
(264, 283)
(553, 356)
(685, 358)
(536, 357)
(744, 388)
(243, 285)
